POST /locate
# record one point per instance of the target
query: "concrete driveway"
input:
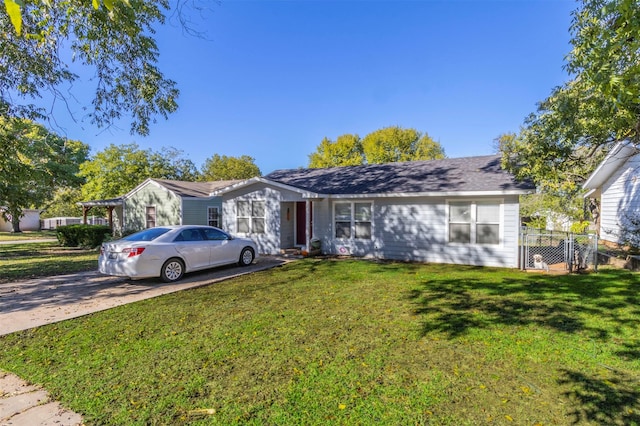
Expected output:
(32, 303)
(41, 301)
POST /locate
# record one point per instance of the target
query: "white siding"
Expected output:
(270, 241)
(287, 225)
(620, 198)
(403, 228)
(30, 221)
(416, 229)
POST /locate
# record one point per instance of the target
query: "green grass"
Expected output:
(353, 342)
(22, 260)
(27, 235)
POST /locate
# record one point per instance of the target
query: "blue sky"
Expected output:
(272, 78)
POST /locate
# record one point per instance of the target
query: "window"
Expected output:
(214, 217)
(474, 222)
(150, 214)
(215, 234)
(251, 216)
(353, 220)
(189, 235)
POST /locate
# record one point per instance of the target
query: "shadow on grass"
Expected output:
(605, 402)
(556, 302)
(598, 306)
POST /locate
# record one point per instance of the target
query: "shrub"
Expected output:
(82, 235)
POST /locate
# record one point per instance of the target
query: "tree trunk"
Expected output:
(15, 222)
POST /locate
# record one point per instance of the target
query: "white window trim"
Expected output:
(474, 211)
(209, 208)
(155, 216)
(353, 220)
(251, 217)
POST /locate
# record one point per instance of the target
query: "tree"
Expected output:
(392, 144)
(113, 37)
(345, 151)
(228, 168)
(386, 145)
(118, 169)
(573, 129)
(34, 163)
(64, 203)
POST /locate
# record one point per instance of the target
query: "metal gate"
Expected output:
(558, 251)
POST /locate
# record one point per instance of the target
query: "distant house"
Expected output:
(615, 185)
(157, 202)
(459, 210)
(51, 223)
(30, 221)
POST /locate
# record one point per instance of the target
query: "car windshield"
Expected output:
(147, 235)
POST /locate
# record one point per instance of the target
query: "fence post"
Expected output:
(569, 251)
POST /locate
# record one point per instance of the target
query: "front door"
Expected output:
(301, 220)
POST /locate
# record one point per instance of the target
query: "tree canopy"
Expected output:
(386, 145)
(41, 39)
(34, 163)
(345, 151)
(119, 168)
(572, 130)
(228, 168)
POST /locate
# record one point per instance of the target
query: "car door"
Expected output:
(222, 247)
(194, 248)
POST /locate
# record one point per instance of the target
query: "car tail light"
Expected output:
(133, 251)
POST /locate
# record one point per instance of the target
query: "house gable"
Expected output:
(616, 183)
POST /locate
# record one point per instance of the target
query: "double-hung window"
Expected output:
(150, 216)
(353, 220)
(213, 216)
(472, 222)
(251, 215)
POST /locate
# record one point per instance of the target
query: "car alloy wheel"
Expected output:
(246, 256)
(172, 270)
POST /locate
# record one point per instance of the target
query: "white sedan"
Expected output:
(169, 252)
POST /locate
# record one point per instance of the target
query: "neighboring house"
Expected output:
(157, 202)
(616, 184)
(53, 222)
(459, 210)
(30, 221)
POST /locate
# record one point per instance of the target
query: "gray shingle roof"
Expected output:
(468, 174)
(194, 189)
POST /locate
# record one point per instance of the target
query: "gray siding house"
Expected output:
(616, 185)
(460, 210)
(157, 202)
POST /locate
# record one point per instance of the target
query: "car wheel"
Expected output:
(246, 256)
(172, 270)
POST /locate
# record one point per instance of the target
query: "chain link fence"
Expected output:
(558, 251)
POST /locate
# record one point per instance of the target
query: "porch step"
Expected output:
(298, 253)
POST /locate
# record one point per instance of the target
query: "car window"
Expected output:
(189, 235)
(147, 235)
(215, 234)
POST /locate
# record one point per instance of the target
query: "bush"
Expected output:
(82, 235)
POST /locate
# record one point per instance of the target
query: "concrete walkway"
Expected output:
(36, 302)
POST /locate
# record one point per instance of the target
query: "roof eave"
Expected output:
(614, 159)
(437, 194)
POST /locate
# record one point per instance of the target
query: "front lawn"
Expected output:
(353, 342)
(27, 235)
(29, 260)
